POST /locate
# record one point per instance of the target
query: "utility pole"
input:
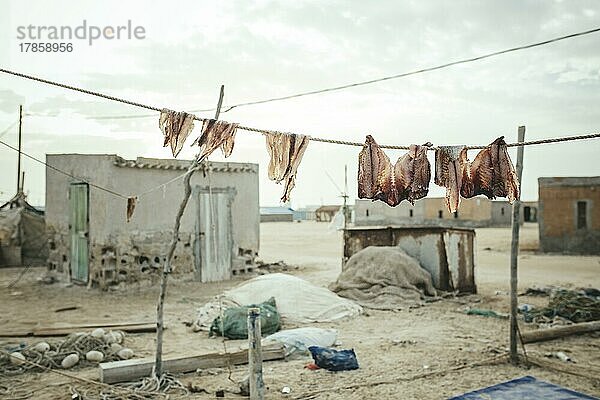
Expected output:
(19, 156)
(346, 210)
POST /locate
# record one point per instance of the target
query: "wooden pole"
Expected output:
(19, 156)
(560, 331)
(514, 253)
(158, 367)
(255, 380)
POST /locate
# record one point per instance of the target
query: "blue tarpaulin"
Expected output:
(525, 388)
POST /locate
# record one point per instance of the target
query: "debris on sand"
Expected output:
(573, 305)
(486, 313)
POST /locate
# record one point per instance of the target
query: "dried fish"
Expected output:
(131, 203)
(216, 134)
(450, 162)
(491, 174)
(408, 179)
(176, 127)
(285, 151)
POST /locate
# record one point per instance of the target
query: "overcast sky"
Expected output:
(261, 49)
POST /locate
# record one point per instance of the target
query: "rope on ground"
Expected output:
(147, 388)
(590, 372)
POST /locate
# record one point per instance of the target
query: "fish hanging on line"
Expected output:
(450, 162)
(176, 127)
(491, 173)
(378, 179)
(216, 134)
(285, 151)
(131, 203)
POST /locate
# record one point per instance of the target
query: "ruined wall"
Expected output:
(558, 198)
(127, 252)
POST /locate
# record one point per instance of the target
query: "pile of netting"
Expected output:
(147, 388)
(78, 349)
(573, 305)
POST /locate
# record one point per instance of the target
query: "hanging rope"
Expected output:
(265, 131)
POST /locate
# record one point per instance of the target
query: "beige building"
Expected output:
(474, 212)
(90, 241)
(569, 216)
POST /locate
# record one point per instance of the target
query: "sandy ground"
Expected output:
(396, 350)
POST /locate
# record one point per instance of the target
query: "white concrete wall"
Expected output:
(155, 212)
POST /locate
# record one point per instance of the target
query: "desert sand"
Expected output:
(407, 354)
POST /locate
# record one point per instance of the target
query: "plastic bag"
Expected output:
(297, 341)
(334, 360)
(235, 321)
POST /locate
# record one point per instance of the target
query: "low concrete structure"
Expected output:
(276, 214)
(569, 214)
(473, 213)
(91, 242)
(447, 253)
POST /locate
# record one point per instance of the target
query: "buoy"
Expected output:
(98, 333)
(94, 355)
(41, 347)
(17, 358)
(70, 361)
(125, 353)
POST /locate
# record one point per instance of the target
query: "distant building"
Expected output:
(326, 213)
(276, 214)
(569, 214)
(432, 211)
(307, 213)
(90, 241)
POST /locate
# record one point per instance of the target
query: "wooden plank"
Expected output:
(62, 329)
(131, 370)
(65, 331)
(560, 331)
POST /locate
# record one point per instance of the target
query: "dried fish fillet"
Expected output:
(216, 134)
(176, 127)
(378, 179)
(131, 202)
(450, 162)
(285, 151)
(491, 174)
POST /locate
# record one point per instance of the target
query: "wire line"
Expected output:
(372, 81)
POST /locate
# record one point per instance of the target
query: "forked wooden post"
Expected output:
(514, 253)
(187, 191)
(255, 380)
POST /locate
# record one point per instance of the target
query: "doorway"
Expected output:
(79, 231)
(214, 240)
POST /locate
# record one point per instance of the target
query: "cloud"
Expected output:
(10, 101)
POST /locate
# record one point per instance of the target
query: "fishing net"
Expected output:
(75, 343)
(574, 305)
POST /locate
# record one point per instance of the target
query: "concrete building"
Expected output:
(91, 242)
(326, 213)
(308, 213)
(276, 214)
(569, 214)
(432, 211)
